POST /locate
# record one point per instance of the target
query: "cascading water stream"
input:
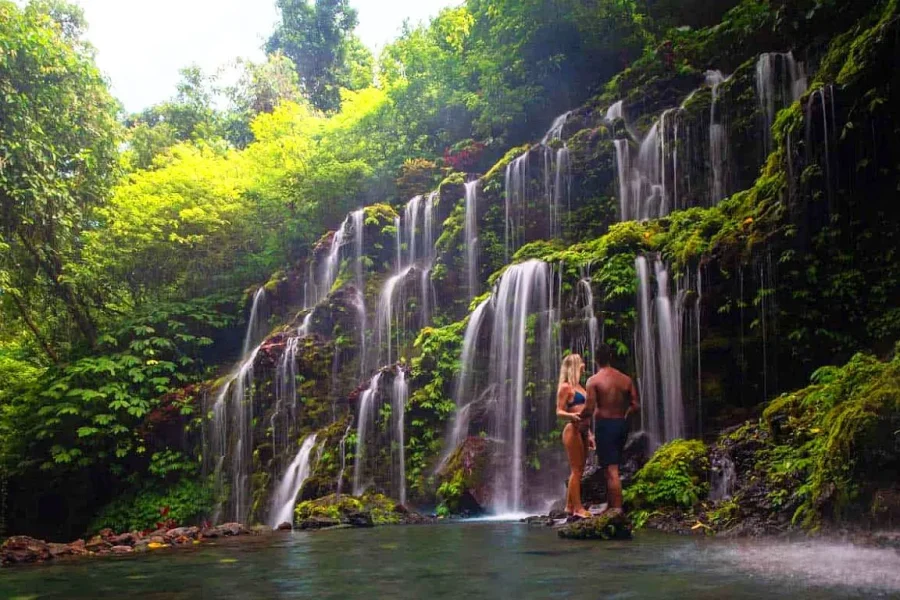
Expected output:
(780, 80)
(669, 331)
(398, 410)
(718, 141)
(522, 290)
(285, 497)
(585, 296)
(343, 452)
(647, 366)
(256, 321)
(471, 236)
(333, 260)
(284, 415)
(384, 316)
(366, 421)
(459, 427)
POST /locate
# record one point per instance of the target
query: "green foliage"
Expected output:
(837, 436)
(186, 503)
(380, 507)
(675, 477)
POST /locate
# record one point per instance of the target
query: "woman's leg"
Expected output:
(574, 444)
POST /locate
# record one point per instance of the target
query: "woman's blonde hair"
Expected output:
(568, 372)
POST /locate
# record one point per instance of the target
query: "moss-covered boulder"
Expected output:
(463, 489)
(676, 476)
(611, 525)
(362, 511)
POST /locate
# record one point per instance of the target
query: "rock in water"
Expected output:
(23, 549)
(608, 526)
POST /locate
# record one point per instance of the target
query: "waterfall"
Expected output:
(555, 132)
(515, 186)
(410, 219)
(285, 397)
(669, 330)
(522, 290)
(718, 143)
(366, 419)
(398, 410)
(384, 315)
(357, 218)
(723, 476)
(471, 233)
(615, 111)
(829, 131)
(233, 412)
(343, 452)
(333, 260)
(459, 426)
(256, 322)
(398, 243)
(647, 368)
(285, 497)
(659, 340)
(585, 296)
(359, 303)
(780, 80)
(561, 193)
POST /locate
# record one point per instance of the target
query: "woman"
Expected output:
(577, 437)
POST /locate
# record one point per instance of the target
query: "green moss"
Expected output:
(675, 477)
(836, 437)
(380, 507)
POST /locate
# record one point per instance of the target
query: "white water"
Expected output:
(256, 321)
(780, 80)
(658, 336)
(723, 476)
(718, 142)
(366, 420)
(522, 290)
(615, 111)
(384, 316)
(343, 452)
(471, 236)
(585, 298)
(357, 219)
(285, 497)
(398, 410)
(459, 426)
(515, 184)
(284, 415)
(333, 260)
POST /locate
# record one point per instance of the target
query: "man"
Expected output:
(611, 398)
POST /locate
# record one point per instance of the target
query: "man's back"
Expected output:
(614, 392)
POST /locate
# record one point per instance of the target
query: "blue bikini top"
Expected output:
(577, 400)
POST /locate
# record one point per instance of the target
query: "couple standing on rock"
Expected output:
(607, 400)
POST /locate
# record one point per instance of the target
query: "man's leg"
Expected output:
(613, 487)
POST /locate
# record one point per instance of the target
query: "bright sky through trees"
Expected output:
(141, 44)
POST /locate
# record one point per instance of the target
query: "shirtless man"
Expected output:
(611, 398)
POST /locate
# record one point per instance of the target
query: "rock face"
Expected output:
(608, 526)
(21, 549)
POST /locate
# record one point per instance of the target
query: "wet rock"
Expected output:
(142, 545)
(78, 548)
(121, 549)
(126, 539)
(317, 523)
(97, 544)
(231, 529)
(360, 519)
(593, 485)
(106, 533)
(157, 539)
(557, 514)
(284, 526)
(58, 550)
(611, 525)
(400, 509)
(23, 549)
(181, 533)
(539, 521)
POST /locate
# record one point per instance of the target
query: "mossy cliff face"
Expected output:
(795, 268)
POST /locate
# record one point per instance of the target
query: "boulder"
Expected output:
(121, 549)
(97, 544)
(78, 548)
(611, 525)
(284, 526)
(106, 533)
(317, 523)
(360, 519)
(23, 549)
(593, 485)
(230, 529)
(260, 530)
(126, 539)
(58, 550)
(182, 532)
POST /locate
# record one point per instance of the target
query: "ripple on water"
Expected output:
(827, 564)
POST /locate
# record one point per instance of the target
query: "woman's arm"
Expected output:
(563, 394)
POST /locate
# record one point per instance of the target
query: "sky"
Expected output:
(141, 44)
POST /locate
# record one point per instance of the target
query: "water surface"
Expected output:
(469, 560)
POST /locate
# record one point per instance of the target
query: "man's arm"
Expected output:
(635, 404)
(591, 403)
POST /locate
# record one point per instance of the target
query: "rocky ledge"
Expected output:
(22, 549)
(610, 525)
